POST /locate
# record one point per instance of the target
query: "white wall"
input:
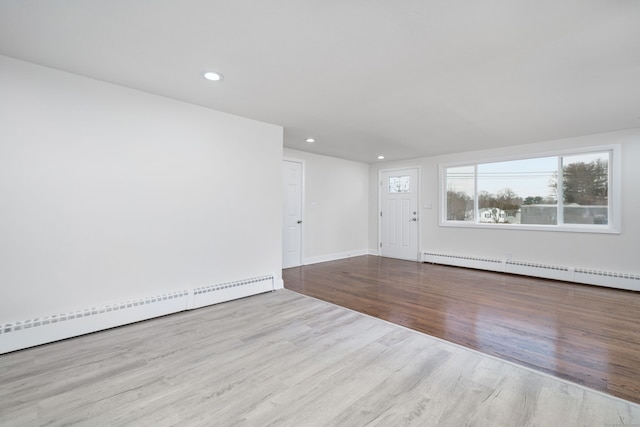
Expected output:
(109, 193)
(336, 207)
(607, 252)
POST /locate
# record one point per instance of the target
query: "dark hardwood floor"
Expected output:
(585, 334)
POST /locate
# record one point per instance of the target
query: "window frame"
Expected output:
(614, 193)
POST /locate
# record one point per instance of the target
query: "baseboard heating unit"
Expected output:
(214, 294)
(555, 272)
(31, 332)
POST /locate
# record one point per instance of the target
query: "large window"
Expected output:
(567, 192)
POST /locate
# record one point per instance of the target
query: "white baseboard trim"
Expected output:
(335, 256)
(23, 334)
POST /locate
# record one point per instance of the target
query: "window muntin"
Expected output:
(524, 193)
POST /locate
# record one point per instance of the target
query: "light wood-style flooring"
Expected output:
(585, 334)
(284, 359)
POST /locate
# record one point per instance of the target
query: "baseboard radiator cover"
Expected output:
(555, 272)
(32, 332)
(23, 334)
(546, 271)
(214, 294)
(479, 263)
(604, 278)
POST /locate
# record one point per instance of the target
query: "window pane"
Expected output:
(518, 191)
(399, 184)
(569, 192)
(460, 190)
(585, 188)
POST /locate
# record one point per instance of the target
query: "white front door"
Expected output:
(292, 214)
(399, 214)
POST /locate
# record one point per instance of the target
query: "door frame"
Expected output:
(379, 212)
(302, 210)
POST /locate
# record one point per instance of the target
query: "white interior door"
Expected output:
(399, 214)
(292, 214)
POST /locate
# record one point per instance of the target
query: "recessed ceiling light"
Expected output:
(213, 76)
(380, 157)
(310, 140)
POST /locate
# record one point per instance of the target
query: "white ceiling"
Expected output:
(406, 79)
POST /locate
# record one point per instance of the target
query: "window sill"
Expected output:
(570, 228)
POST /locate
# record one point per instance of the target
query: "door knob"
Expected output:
(414, 219)
(299, 221)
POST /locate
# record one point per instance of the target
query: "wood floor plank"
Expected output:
(284, 359)
(585, 334)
